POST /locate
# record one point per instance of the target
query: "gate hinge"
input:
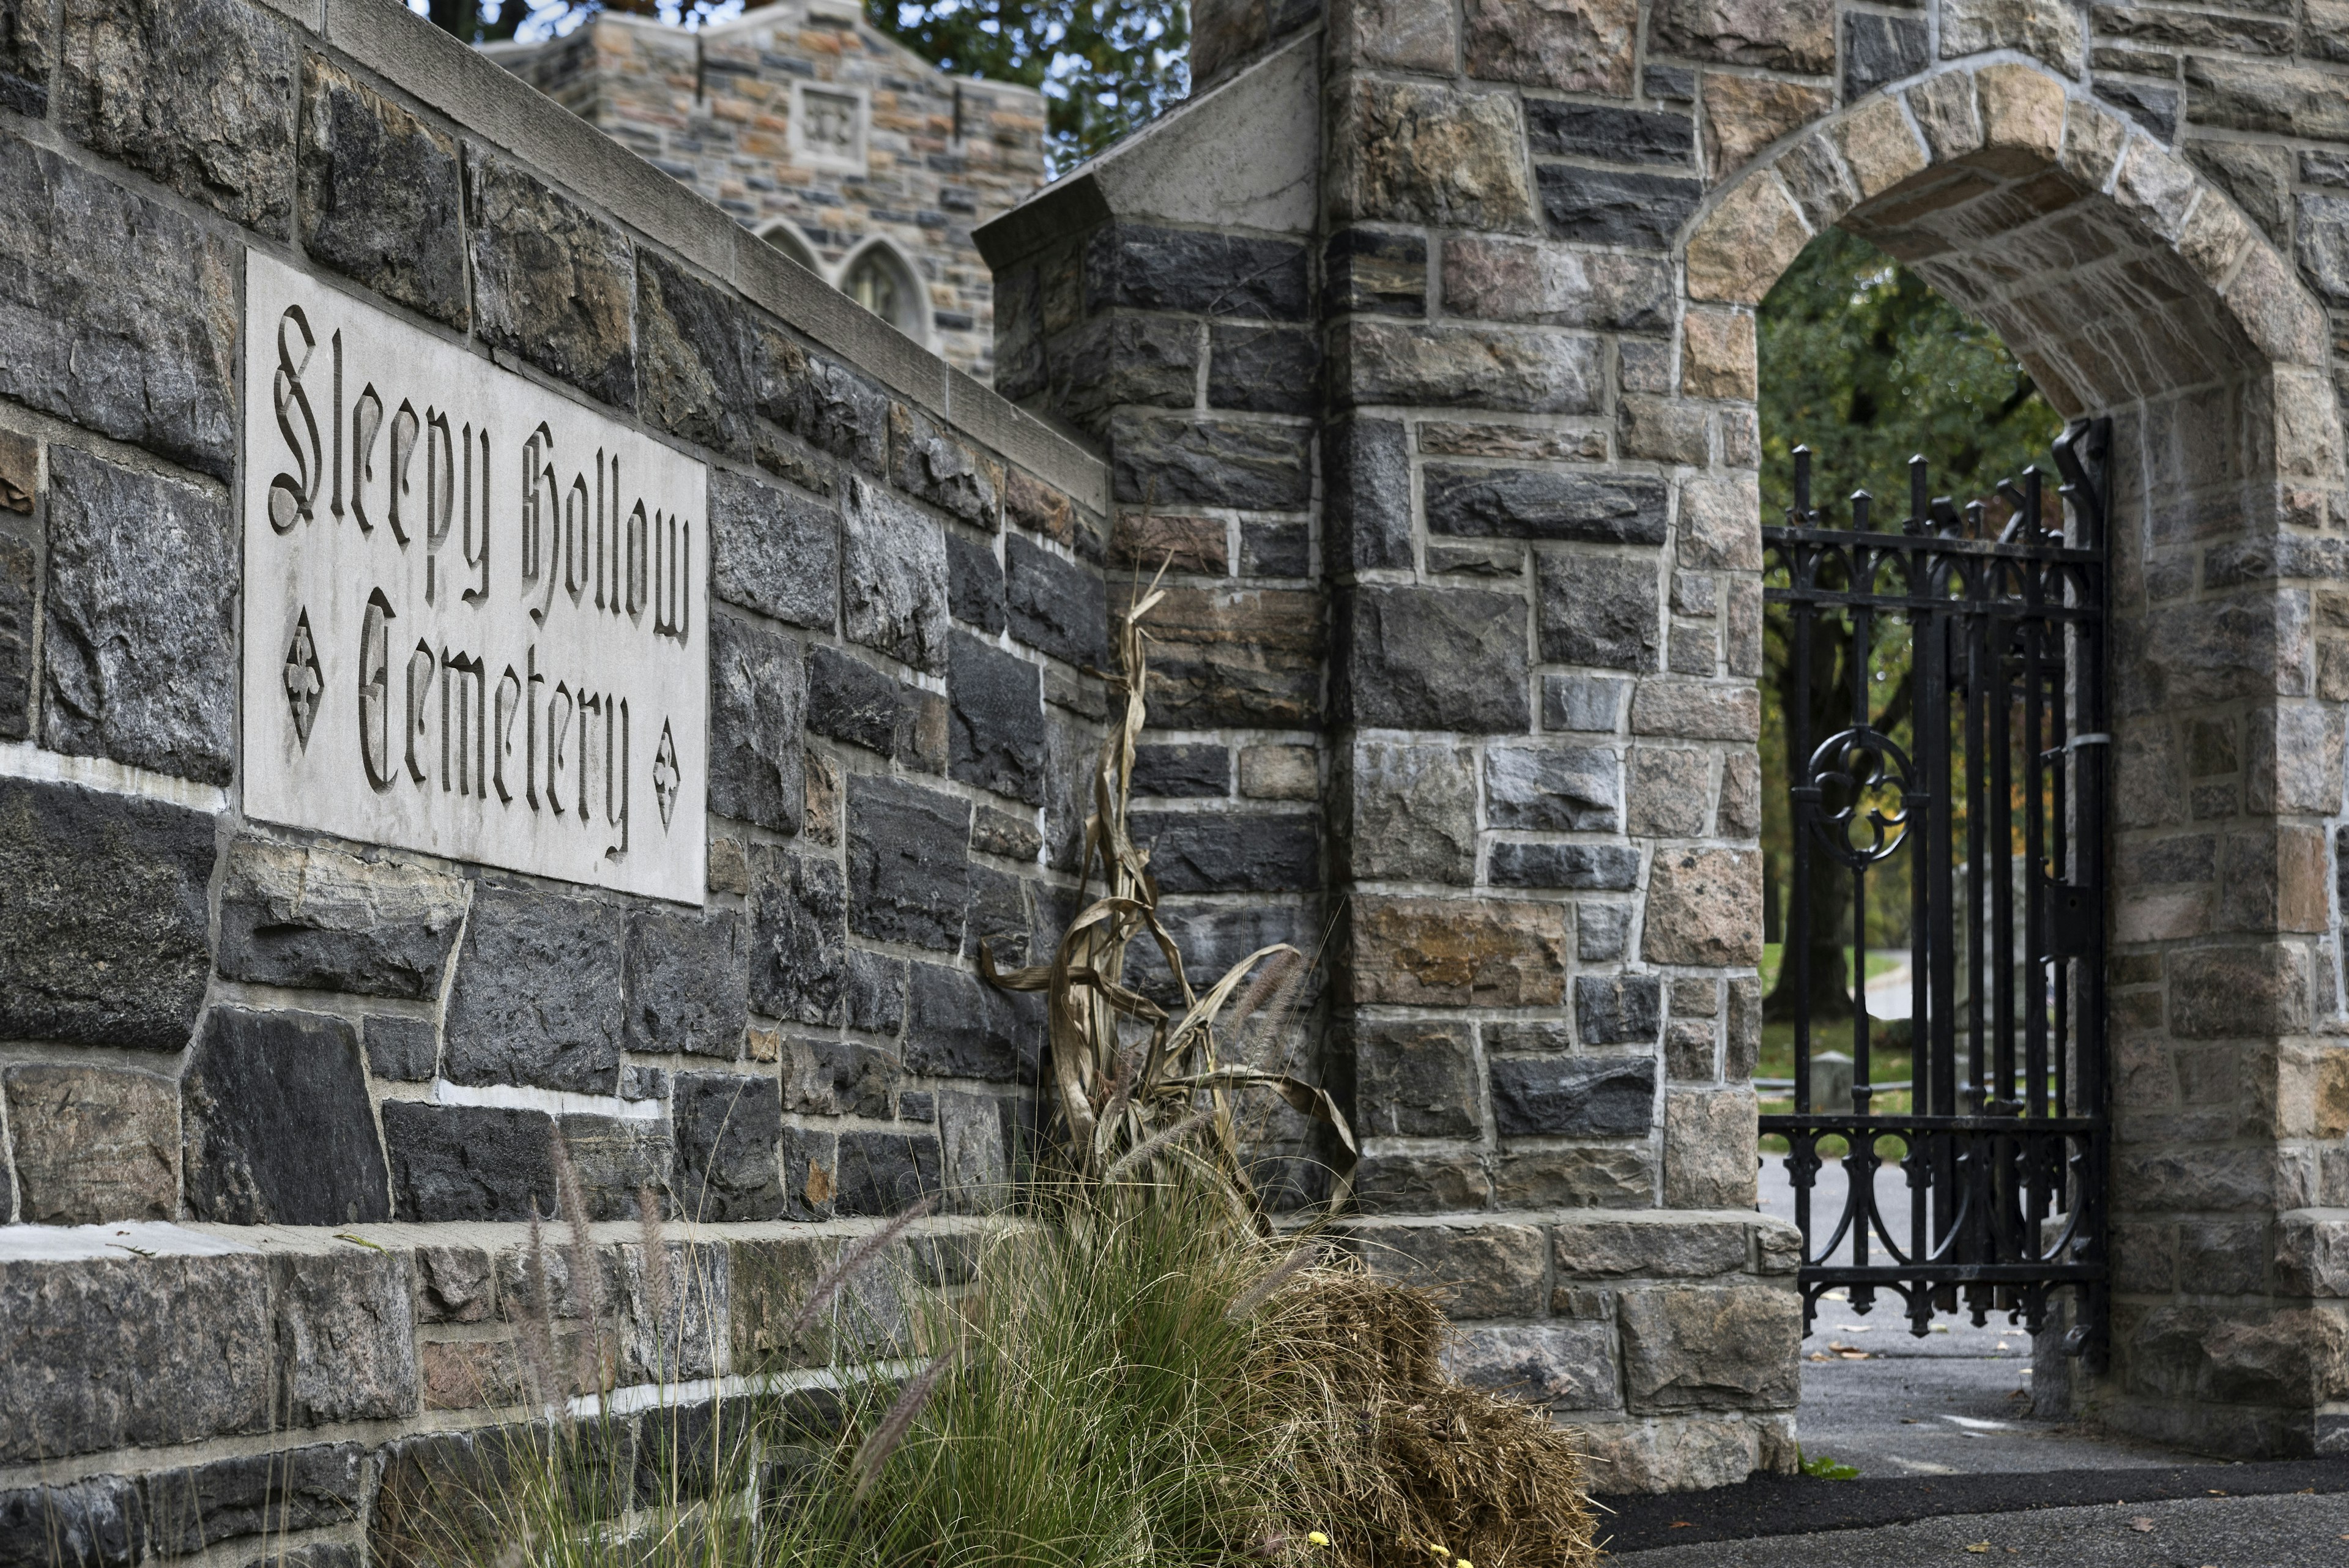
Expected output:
(2069, 915)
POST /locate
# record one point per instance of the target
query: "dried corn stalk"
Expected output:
(1125, 1115)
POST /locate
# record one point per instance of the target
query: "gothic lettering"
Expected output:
(440, 493)
(403, 450)
(366, 420)
(375, 691)
(292, 496)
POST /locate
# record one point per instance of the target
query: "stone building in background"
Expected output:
(836, 144)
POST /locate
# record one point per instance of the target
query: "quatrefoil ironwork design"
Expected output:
(1858, 762)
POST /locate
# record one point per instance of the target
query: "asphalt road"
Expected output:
(2295, 1529)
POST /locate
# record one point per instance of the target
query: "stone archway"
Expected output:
(2131, 287)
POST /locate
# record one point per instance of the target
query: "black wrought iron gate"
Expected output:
(1998, 803)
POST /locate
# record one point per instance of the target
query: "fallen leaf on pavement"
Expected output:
(2140, 1524)
(1981, 1546)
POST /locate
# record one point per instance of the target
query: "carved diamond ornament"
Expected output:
(666, 775)
(304, 681)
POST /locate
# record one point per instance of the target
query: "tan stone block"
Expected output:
(1718, 358)
(1704, 906)
(1711, 1346)
(2054, 30)
(1696, 711)
(1614, 1176)
(1709, 1153)
(1739, 814)
(821, 825)
(1577, 45)
(1409, 34)
(730, 867)
(1673, 1453)
(1418, 153)
(1945, 111)
(2309, 1093)
(94, 1145)
(1151, 539)
(2022, 114)
(1457, 952)
(1742, 115)
(1665, 430)
(2268, 301)
(2307, 428)
(1721, 521)
(1279, 772)
(2093, 139)
(1669, 793)
(1745, 244)
(1880, 147)
(1520, 280)
(1786, 35)
(2215, 237)
(1449, 439)
(2155, 187)
(1666, 1242)
(1373, 360)
(1813, 173)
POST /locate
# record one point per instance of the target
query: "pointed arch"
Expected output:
(785, 236)
(884, 279)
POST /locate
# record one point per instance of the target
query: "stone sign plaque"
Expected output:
(476, 617)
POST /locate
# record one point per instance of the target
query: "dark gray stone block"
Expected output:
(381, 196)
(809, 1157)
(138, 655)
(2155, 108)
(1600, 610)
(1375, 272)
(1432, 658)
(468, 1162)
(931, 465)
(1618, 1009)
(1180, 771)
(1368, 470)
(1544, 503)
(196, 94)
(104, 935)
(727, 1130)
(798, 937)
(1607, 867)
(27, 53)
(695, 359)
(1198, 271)
(122, 313)
(552, 281)
(1263, 369)
(825, 404)
(773, 551)
(616, 1158)
(315, 918)
(997, 703)
(2322, 168)
(962, 1027)
(1609, 135)
(98, 1522)
(687, 983)
(998, 915)
(1602, 932)
(401, 1050)
(1671, 84)
(1168, 460)
(1126, 358)
(1275, 549)
(1414, 1080)
(274, 1111)
(1559, 789)
(850, 701)
(758, 712)
(1055, 606)
(1573, 1097)
(894, 579)
(1605, 207)
(2324, 245)
(908, 877)
(1879, 50)
(537, 998)
(975, 583)
(312, 1488)
(18, 573)
(886, 1172)
(873, 996)
(839, 1078)
(1231, 852)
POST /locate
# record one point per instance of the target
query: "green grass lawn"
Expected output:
(1885, 1065)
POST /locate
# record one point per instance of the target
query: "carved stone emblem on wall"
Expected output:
(828, 126)
(497, 599)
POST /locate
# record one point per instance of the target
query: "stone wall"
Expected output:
(277, 1108)
(813, 128)
(1523, 245)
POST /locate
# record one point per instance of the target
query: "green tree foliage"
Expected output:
(1862, 362)
(1105, 66)
(493, 21)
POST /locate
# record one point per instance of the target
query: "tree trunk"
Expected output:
(1829, 994)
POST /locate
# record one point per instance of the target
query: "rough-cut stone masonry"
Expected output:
(1422, 345)
(276, 1109)
(815, 129)
(1473, 327)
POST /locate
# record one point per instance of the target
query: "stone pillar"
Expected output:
(1546, 627)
